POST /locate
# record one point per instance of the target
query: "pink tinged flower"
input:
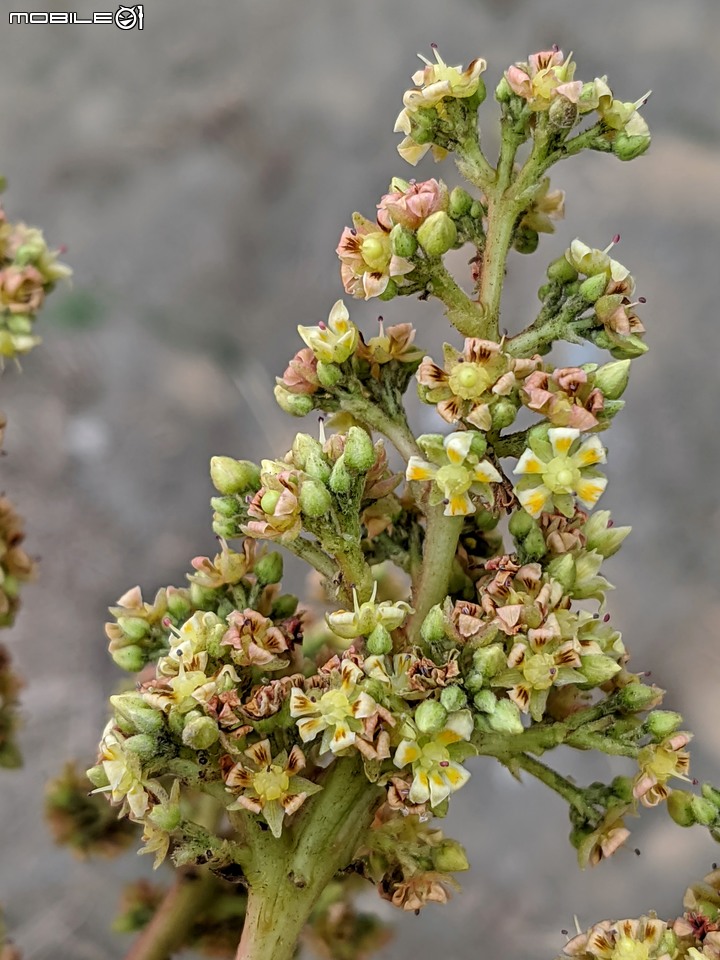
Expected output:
(254, 640)
(275, 509)
(301, 373)
(455, 471)
(367, 263)
(412, 206)
(435, 773)
(334, 341)
(547, 75)
(658, 762)
(557, 471)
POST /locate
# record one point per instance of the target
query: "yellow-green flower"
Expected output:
(436, 774)
(334, 341)
(337, 714)
(592, 262)
(546, 75)
(455, 469)
(538, 662)
(659, 762)
(367, 262)
(270, 785)
(558, 470)
(123, 770)
(364, 617)
(640, 939)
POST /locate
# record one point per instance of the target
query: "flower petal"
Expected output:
(310, 727)
(407, 752)
(457, 446)
(589, 491)
(418, 469)
(562, 438)
(534, 500)
(460, 506)
(485, 472)
(591, 452)
(529, 462)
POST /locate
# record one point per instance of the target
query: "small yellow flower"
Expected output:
(546, 75)
(592, 262)
(334, 341)
(435, 773)
(455, 469)
(124, 773)
(558, 470)
(363, 618)
(659, 762)
(337, 714)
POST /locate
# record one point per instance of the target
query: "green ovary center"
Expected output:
(561, 475)
(469, 381)
(376, 252)
(271, 784)
(540, 671)
(628, 949)
(335, 707)
(454, 480)
(434, 753)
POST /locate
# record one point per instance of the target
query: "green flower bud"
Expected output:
(661, 723)
(526, 240)
(200, 733)
(97, 776)
(562, 271)
(305, 447)
(166, 816)
(612, 379)
(488, 661)
(563, 570)
(135, 628)
(142, 745)
(341, 480)
(543, 291)
(563, 113)
(485, 701)
(224, 528)
(521, 523)
(450, 857)
(359, 451)
(680, 808)
(704, 811)
(474, 681)
(485, 520)
(296, 404)
(506, 718)
(177, 720)
(628, 148)
(636, 697)
(131, 658)
(533, 547)
(314, 499)
(711, 793)
(269, 569)
(437, 234)
(379, 642)
(329, 374)
(453, 698)
(476, 210)
(402, 241)
(539, 442)
(630, 348)
(460, 202)
(390, 291)
(503, 91)
(226, 506)
(179, 605)
(132, 708)
(285, 606)
(598, 669)
(433, 627)
(622, 788)
(398, 185)
(503, 413)
(430, 716)
(234, 476)
(478, 444)
(602, 538)
(593, 288)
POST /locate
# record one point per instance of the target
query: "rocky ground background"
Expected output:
(200, 173)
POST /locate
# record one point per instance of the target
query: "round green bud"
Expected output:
(488, 661)
(269, 501)
(341, 480)
(329, 374)
(460, 202)
(593, 288)
(563, 570)
(476, 210)
(636, 697)
(226, 506)
(711, 793)
(166, 816)
(430, 716)
(506, 718)
(142, 717)
(433, 626)
(224, 528)
(534, 547)
(485, 701)
(474, 681)
(284, 607)
(543, 291)
(390, 291)
(177, 720)
(478, 444)
(314, 498)
(485, 520)
(503, 413)
(628, 148)
(622, 788)
(521, 523)
(598, 669)
(269, 569)
(142, 745)
(612, 379)
(178, 602)
(296, 404)
(450, 857)
(680, 808)
(562, 271)
(130, 658)
(234, 476)
(379, 642)
(359, 451)
(200, 733)
(437, 234)
(402, 241)
(629, 348)
(303, 448)
(503, 91)
(526, 240)
(97, 776)
(134, 628)
(453, 698)
(704, 811)
(481, 92)
(661, 723)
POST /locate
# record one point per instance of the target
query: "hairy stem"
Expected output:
(167, 931)
(467, 316)
(551, 778)
(431, 586)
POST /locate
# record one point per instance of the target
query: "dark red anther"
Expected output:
(606, 618)
(616, 238)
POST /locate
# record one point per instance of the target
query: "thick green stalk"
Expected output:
(441, 540)
(467, 316)
(288, 875)
(551, 778)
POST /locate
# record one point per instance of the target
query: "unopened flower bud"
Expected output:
(503, 413)
(97, 776)
(598, 669)
(402, 241)
(380, 641)
(142, 745)
(200, 733)
(135, 628)
(486, 520)
(628, 148)
(506, 718)
(453, 698)
(341, 480)
(231, 476)
(680, 808)
(526, 240)
(562, 271)
(437, 234)
(661, 723)
(636, 697)
(460, 202)
(521, 523)
(563, 570)
(305, 447)
(225, 506)
(137, 713)
(534, 547)
(711, 793)
(476, 210)
(269, 569)
(490, 660)
(563, 113)
(622, 788)
(314, 498)
(612, 379)
(359, 451)
(629, 348)
(130, 658)
(485, 701)
(284, 606)
(503, 91)
(474, 681)
(329, 374)
(296, 404)
(166, 816)
(390, 291)
(430, 716)
(450, 857)
(704, 811)
(178, 602)
(601, 536)
(593, 287)
(433, 626)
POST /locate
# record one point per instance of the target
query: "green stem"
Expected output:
(473, 164)
(290, 874)
(175, 917)
(545, 330)
(551, 778)
(467, 316)
(372, 415)
(596, 741)
(312, 555)
(431, 587)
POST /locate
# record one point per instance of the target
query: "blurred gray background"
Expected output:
(200, 173)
